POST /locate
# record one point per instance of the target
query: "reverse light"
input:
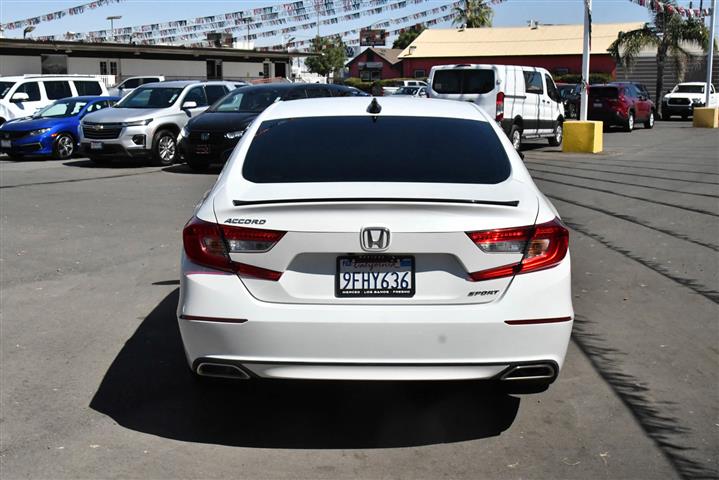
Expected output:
(499, 107)
(544, 246)
(210, 245)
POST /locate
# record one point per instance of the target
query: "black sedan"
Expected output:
(210, 137)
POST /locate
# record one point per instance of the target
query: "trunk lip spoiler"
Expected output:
(508, 203)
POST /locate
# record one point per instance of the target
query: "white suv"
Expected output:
(145, 123)
(23, 96)
(130, 84)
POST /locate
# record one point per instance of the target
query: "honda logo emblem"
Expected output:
(374, 239)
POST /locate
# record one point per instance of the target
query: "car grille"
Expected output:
(101, 131)
(679, 101)
(12, 135)
(206, 137)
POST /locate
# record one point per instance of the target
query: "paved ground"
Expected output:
(93, 382)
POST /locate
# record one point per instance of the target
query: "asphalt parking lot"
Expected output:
(94, 384)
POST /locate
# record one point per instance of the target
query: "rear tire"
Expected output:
(64, 147)
(650, 121)
(164, 148)
(515, 136)
(629, 124)
(556, 140)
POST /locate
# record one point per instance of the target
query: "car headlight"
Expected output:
(39, 131)
(697, 101)
(234, 135)
(184, 132)
(137, 123)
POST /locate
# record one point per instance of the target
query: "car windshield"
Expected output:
(247, 100)
(62, 108)
(5, 88)
(603, 92)
(463, 81)
(429, 149)
(406, 91)
(689, 89)
(150, 97)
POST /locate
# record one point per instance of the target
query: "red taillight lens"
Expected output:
(544, 246)
(209, 244)
(500, 107)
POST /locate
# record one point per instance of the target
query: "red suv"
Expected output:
(621, 103)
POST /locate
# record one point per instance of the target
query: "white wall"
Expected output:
(239, 70)
(88, 66)
(190, 69)
(19, 65)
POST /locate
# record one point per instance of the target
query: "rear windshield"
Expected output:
(391, 149)
(689, 89)
(603, 92)
(463, 81)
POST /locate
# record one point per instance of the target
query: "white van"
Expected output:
(524, 100)
(22, 96)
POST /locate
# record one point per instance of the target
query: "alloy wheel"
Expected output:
(166, 148)
(65, 146)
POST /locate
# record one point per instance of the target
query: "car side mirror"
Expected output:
(20, 97)
(189, 104)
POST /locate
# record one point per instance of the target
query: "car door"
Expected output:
(34, 101)
(641, 102)
(532, 106)
(551, 105)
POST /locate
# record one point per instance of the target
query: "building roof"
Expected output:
(389, 54)
(513, 41)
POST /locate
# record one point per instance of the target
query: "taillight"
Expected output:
(544, 246)
(210, 245)
(500, 107)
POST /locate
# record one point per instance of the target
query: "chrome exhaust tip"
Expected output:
(221, 370)
(533, 371)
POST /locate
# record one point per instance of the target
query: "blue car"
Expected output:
(52, 131)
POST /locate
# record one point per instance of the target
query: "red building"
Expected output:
(376, 64)
(558, 48)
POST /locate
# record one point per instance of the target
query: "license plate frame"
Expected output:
(202, 149)
(597, 104)
(394, 282)
(95, 145)
(5, 143)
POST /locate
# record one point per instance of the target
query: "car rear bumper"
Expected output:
(608, 117)
(221, 322)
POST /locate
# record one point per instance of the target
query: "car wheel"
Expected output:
(556, 140)
(64, 147)
(629, 124)
(515, 136)
(650, 121)
(165, 148)
(198, 165)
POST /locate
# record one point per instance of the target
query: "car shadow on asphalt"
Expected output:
(184, 169)
(148, 388)
(111, 164)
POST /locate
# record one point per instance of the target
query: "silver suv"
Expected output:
(145, 123)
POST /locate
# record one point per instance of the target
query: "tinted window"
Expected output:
(5, 88)
(150, 97)
(435, 150)
(214, 93)
(97, 106)
(57, 90)
(690, 89)
(196, 94)
(32, 89)
(87, 88)
(296, 94)
(551, 88)
(603, 92)
(316, 92)
(533, 82)
(248, 100)
(463, 81)
(149, 80)
(131, 83)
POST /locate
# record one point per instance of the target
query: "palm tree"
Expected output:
(670, 34)
(475, 14)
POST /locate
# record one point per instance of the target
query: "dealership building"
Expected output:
(116, 61)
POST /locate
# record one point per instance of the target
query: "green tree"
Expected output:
(407, 37)
(475, 14)
(670, 34)
(331, 56)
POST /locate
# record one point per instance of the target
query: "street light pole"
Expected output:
(585, 60)
(710, 56)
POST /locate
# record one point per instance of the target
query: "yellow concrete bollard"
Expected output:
(582, 137)
(706, 117)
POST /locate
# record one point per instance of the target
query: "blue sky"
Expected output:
(138, 12)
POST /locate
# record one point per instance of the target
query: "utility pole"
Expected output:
(584, 103)
(710, 56)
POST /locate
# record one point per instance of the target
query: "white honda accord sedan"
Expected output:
(375, 239)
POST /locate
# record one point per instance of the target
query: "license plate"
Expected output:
(5, 144)
(598, 104)
(375, 276)
(202, 149)
(95, 145)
